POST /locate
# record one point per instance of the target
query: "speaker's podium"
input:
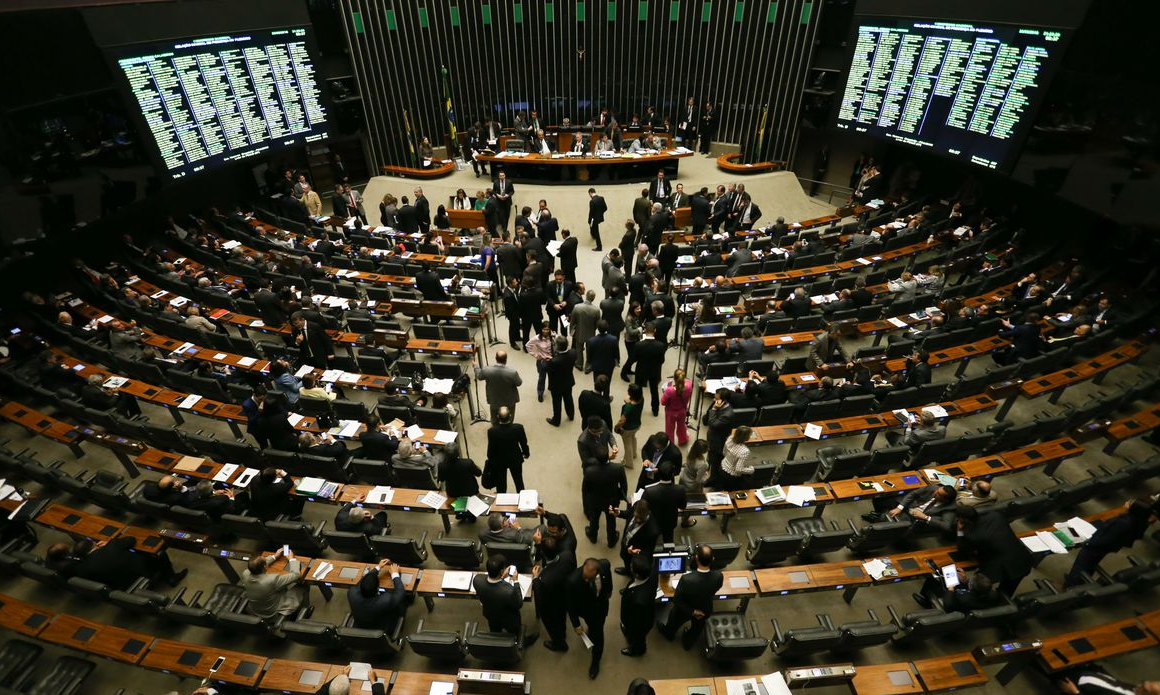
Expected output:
(465, 219)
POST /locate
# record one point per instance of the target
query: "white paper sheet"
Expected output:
(189, 401)
(414, 433)
(433, 500)
(799, 495)
(457, 581)
(226, 471)
(380, 494)
(1082, 527)
(477, 507)
(813, 431)
(445, 436)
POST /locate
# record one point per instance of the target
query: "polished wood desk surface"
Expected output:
(98, 528)
(345, 572)
(1087, 369)
(100, 639)
(953, 672)
(838, 427)
(431, 584)
(290, 676)
(23, 618)
(680, 686)
(41, 424)
(885, 679)
(1135, 424)
(194, 661)
(1097, 642)
(736, 584)
(585, 160)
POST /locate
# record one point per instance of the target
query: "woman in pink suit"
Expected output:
(675, 399)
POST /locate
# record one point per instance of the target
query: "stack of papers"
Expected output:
(433, 500)
(935, 410)
(771, 494)
(331, 375)
(445, 436)
(414, 433)
(896, 322)
(247, 361)
(507, 499)
(457, 581)
(813, 430)
(294, 419)
(718, 499)
(880, 567)
(310, 486)
(1082, 527)
(434, 386)
(477, 507)
(380, 494)
(322, 570)
(347, 429)
(115, 382)
(348, 378)
(800, 495)
(529, 501)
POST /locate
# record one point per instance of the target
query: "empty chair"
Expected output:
(433, 418)
(425, 331)
(245, 526)
(415, 478)
(780, 414)
(246, 624)
(719, 370)
(874, 537)
(925, 624)
(805, 640)
(460, 553)
(886, 459)
(729, 637)
(770, 549)
(519, 554)
(87, 588)
(17, 659)
(861, 634)
(65, 677)
(350, 543)
(371, 472)
(1029, 505)
(724, 552)
(820, 537)
(934, 452)
(797, 471)
(494, 647)
(843, 465)
(223, 597)
(1047, 601)
(405, 551)
(383, 643)
(314, 633)
(441, 645)
(299, 535)
(411, 368)
(1001, 616)
(141, 600)
(858, 405)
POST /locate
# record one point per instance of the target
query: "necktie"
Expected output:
(596, 586)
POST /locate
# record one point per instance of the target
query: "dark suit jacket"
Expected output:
(591, 403)
(665, 501)
(583, 602)
(942, 516)
(269, 500)
(657, 223)
(423, 212)
(509, 190)
(378, 446)
(507, 444)
(269, 308)
(550, 589)
(667, 257)
(641, 209)
(317, 346)
(604, 485)
(343, 522)
(650, 358)
(643, 539)
(561, 371)
(546, 229)
(428, 284)
(660, 190)
(796, 308)
(766, 392)
(638, 607)
(701, 209)
(596, 209)
(567, 253)
(602, 352)
(460, 476)
(917, 373)
(408, 219)
(501, 602)
(1025, 340)
(379, 611)
(1002, 556)
(114, 564)
(696, 591)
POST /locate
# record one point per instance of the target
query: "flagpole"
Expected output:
(453, 140)
(410, 138)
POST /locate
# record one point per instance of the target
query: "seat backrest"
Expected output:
(311, 632)
(414, 478)
(349, 542)
(774, 548)
(405, 551)
(297, 534)
(494, 647)
(436, 644)
(371, 472)
(807, 640)
(244, 526)
(848, 465)
(797, 471)
(458, 552)
(876, 536)
(518, 554)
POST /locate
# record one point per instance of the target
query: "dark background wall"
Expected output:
(505, 56)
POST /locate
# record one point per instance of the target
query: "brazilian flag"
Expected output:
(453, 145)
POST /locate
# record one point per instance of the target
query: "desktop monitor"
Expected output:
(671, 563)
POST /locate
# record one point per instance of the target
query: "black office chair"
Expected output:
(350, 543)
(440, 645)
(771, 549)
(405, 551)
(797, 471)
(519, 554)
(820, 537)
(838, 464)
(65, 677)
(245, 526)
(799, 641)
(494, 647)
(729, 637)
(874, 537)
(414, 478)
(460, 553)
(861, 634)
(920, 626)
(383, 643)
(314, 633)
(17, 662)
(299, 535)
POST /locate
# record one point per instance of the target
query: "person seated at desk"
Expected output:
(271, 495)
(311, 389)
(169, 490)
(973, 594)
(761, 390)
(502, 529)
(540, 144)
(215, 501)
(284, 380)
(928, 430)
(54, 376)
(1111, 536)
(269, 595)
(1092, 679)
(604, 145)
(372, 609)
(354, 519)
(113, 562)
(323, 445)
(377, 442)
(415, 456)
(933, 505)
(95, 395)
(426, 152)
(392, 398)
(580, 144)
(441, 221)
(747, 348)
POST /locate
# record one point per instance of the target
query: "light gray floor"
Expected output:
(554, 470)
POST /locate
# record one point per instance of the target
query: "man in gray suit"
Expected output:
(933, 506)
(502, 384)
(582, 324)
(928, 430)
(738, 258)
(274, 594)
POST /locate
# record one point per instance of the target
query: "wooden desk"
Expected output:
(23, 618)
(1094, 643)
(99, 639)
(464, 219)
(729, 164)
(580, 166)
(435, 171)
(1093, 368)
(885, 679)
(726, 592)
(78, 523)
(44, 425)
(412, 683)
(430, 584)
(1135, 424)
(951, 672)
(680, 686)
(194, 660)
(307, 677)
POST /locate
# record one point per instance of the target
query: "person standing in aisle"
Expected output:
(589, 589)
(675, 400)
(596, 209)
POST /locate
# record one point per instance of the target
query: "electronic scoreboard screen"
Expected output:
(968, 90)
(215, 100)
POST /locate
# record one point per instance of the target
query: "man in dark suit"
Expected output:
(658, 452)
(315, 347)
(918, 370)
(1025, 339)
(511, 309)
(701, 210)
(660, 190)
(1002, 556)
(603, 487)
(693, 599)
(427, 282)
(501, 192)
(271, 494)
(666, 499)
(110, 562)
(596, 402)
(422, 211)
(650, 359)
(509, 257)
(638, 607)
(546, 227)
(561, 379)
(269, 306)
(679, 199)
(588, 592)
(373, 609)
(550, 590)
(407, 218)
(557, 294)
(354, 519)
(640, 536)
(567, 255)
(722, 204)
(861, 296)
(765, 390)
(641, 209)
(658, 222)
(667, 257)
(779, 229)
(507, 448)
(603, 350)
(933, 506)
(501, 601)
(596, 209)
(377, 443)
(339, 203)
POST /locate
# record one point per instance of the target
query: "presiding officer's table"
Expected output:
(563, 168)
